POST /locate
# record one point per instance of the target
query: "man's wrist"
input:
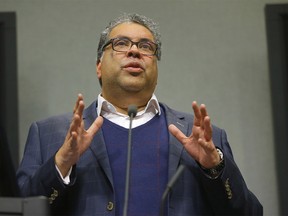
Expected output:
(215, 171)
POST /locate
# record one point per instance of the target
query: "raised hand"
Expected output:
(199, 144)
(77, 139)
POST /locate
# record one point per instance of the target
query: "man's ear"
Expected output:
(98, 69)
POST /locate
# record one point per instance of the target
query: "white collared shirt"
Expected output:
(108, 111)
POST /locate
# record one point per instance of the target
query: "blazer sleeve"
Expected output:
(37, 174)
(228, 194)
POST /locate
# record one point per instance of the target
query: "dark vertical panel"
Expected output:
(277, 38)
(285, 29)
(8, 183)
(8, 83)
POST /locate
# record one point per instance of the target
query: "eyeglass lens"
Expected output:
(124, 44)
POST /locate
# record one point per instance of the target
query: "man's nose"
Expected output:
(133, 51)
(134, 47)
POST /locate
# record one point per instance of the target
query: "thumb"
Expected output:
(176, 132)
(96, 125)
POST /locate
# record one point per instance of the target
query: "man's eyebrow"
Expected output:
(126, 37)
(121, 36)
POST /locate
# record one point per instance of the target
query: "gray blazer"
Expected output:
(91, 189)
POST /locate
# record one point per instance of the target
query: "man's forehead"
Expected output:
(131, 30)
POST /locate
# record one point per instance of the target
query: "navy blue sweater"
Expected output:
(149, 164)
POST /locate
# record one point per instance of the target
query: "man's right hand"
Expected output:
(77, 139)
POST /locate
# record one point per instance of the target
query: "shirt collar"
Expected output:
(105, 106)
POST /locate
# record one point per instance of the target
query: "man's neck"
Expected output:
(121, 104)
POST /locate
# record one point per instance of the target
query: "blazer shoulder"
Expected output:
(65, 118)
(180, 114)
(56, 119)
(185, 116)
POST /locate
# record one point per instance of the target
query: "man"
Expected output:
(79, 160)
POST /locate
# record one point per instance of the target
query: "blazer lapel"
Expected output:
(175, 147)
(98, 145)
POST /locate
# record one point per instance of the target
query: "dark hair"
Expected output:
(135, 18)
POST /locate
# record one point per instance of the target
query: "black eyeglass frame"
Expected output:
(132, 43)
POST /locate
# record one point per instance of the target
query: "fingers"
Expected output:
(200, 113)
(197, 114)
(207, 128)
(201, 120)
(73, 131)
(77, 118)
(78, 111)
(79, 98)
(203, 111)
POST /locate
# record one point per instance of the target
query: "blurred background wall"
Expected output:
(214, 52)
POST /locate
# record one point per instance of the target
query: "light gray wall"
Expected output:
(214, 51)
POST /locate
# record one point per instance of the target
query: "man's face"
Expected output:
(131, 71)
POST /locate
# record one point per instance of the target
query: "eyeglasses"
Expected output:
(123, 44)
